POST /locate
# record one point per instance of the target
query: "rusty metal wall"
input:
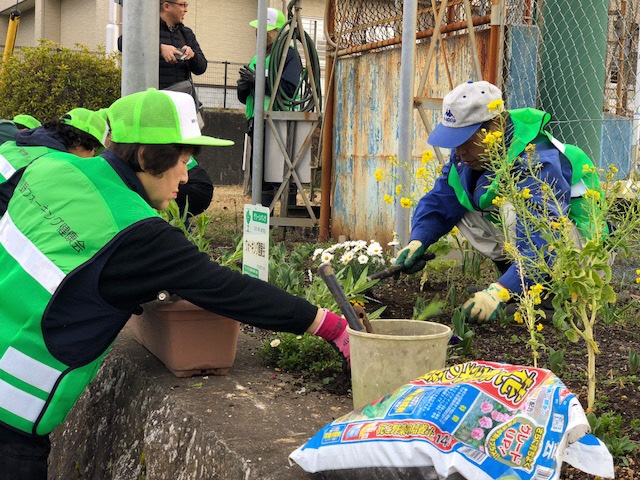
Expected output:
(366, 130)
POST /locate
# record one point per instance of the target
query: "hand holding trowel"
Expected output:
(356, 321)
(411, 259)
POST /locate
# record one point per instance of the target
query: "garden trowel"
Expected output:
(326, 273)
(397, 269)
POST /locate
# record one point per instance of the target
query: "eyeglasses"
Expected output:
(183, 5)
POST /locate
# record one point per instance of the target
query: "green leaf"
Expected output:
(572, 335)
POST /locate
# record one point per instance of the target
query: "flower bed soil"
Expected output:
(617, 391)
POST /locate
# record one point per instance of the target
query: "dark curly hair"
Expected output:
(157, 158)
(72, 136)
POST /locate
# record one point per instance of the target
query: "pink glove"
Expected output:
(333, 328)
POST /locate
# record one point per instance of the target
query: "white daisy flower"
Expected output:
(326, 256)
(318, 251)
(363, 259)
(275, 342)
(346, 257)
(374, 249)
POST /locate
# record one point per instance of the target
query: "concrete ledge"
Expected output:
(136, 420)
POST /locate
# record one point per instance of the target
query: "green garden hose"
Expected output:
(302, 100)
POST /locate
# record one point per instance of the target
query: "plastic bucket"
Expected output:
(397, 352)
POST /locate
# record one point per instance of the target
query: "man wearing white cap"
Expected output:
(82, 246)
(462, 196)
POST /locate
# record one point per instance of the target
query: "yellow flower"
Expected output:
(518, 317)
(535, 292)
(594, 194)
(638, 280)
(379, 175)
(398, 189)
(638, 272)
(454, 231)
(539, 327)
(530, 148)
(421, 173)
(499, 201)
(613, 169)
(495, 105)
(427, 156)
(537, 289)
(510, 249)
(490, 139)
(554, 225)
(504, 295)
(388, 199)
(405, 202)
(526, 193)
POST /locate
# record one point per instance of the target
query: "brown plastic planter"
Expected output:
(186, 338)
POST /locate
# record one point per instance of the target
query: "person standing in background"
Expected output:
(288, 85)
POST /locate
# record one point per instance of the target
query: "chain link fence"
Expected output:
(576, 59)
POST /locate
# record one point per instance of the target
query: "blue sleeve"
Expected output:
(553, 172)
(437, 212)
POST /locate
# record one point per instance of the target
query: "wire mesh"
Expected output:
(576, 59)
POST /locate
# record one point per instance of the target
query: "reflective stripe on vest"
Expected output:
(32, 372)
(32, 260)
(6, 169)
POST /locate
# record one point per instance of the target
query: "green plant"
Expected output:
(303, 354)
(424, 308)
(608, 428)
(556, 361)
(462, 340)
(571, 266)
(49, 80)
(195, 230)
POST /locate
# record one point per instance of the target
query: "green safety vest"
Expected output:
(528, 123)
(13, 158)
(249, 105)
(45, 237)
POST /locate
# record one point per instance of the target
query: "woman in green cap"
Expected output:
(82, 246)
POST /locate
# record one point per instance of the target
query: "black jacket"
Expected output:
(178, 36)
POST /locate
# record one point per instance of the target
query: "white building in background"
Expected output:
(221, 27)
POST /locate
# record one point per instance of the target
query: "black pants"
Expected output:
(22, 456)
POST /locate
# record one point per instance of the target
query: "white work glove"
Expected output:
(483, 306)
(411, 257)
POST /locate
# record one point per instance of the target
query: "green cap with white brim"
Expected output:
(158, 117)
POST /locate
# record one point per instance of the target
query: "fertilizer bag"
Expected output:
(476, 420)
